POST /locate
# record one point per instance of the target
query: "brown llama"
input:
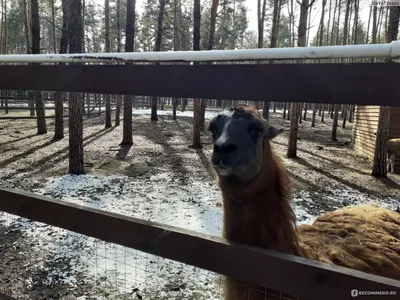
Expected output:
(256, 193)
(393, 149)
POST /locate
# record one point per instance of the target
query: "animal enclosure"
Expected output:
(128, 242)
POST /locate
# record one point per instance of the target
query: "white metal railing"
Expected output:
(391, 50)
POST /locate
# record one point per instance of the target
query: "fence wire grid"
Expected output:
(40, 261)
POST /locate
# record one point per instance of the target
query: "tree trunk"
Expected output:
(355, 26)
(345, 108)
(53, 20)
(294, 128)
(380, 17)
(274, 41)
(351, 113)
(119, 100)
(203, 105)
(266, 110)
(374, 25)
(157, 47)
(75, 122)
(314, 114)
(214, 8)
(260, 19)
(335, 122)
(175, 100)
(284, 110)
(58, 102)
(108, 49)
(393, 24)
(26, 28)
(338, 22)
(309, 24)
(31, 102)
(346, 23)
(275, 24)
(329, 23)
(334, 23)
(321, 24)
(386, 21)
(118, 13)
(118, 110)
(40, 112)
(5, 28)
(369, 22)
(83, 24)
(379, 168)
(196, 102)
(300, 110)
(129, 45)
(295, 107)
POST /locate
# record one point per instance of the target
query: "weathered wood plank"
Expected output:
(287, 273)
(360, 83)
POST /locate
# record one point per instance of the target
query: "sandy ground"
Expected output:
(160, 179)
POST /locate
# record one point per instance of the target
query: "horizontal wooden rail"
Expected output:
(356, 83)
(287, 273)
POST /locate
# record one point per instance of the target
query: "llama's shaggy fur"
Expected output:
(393, 150)
(364, 237)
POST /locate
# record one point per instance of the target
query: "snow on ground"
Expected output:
(171, 192)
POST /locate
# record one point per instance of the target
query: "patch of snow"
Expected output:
(187, 113)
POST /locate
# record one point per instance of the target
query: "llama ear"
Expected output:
(271, 132)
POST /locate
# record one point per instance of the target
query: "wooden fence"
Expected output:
(313, 83)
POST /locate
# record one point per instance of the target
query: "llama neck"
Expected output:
(259, 214)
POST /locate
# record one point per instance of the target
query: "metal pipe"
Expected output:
(391, 50)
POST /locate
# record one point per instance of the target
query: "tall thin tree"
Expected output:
(157, 47)
(28, 47)
(175, 42)
(108, 49)
(274, 43)
(53, 25)
(261, 10)
(118, 17)
(295, 107)
(129, 46)
(58, 102)
(75, 121)
(196, 47)
(35, 27)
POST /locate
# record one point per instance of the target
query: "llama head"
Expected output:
(239, 136)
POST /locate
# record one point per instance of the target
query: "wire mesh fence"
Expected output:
(40, 261)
